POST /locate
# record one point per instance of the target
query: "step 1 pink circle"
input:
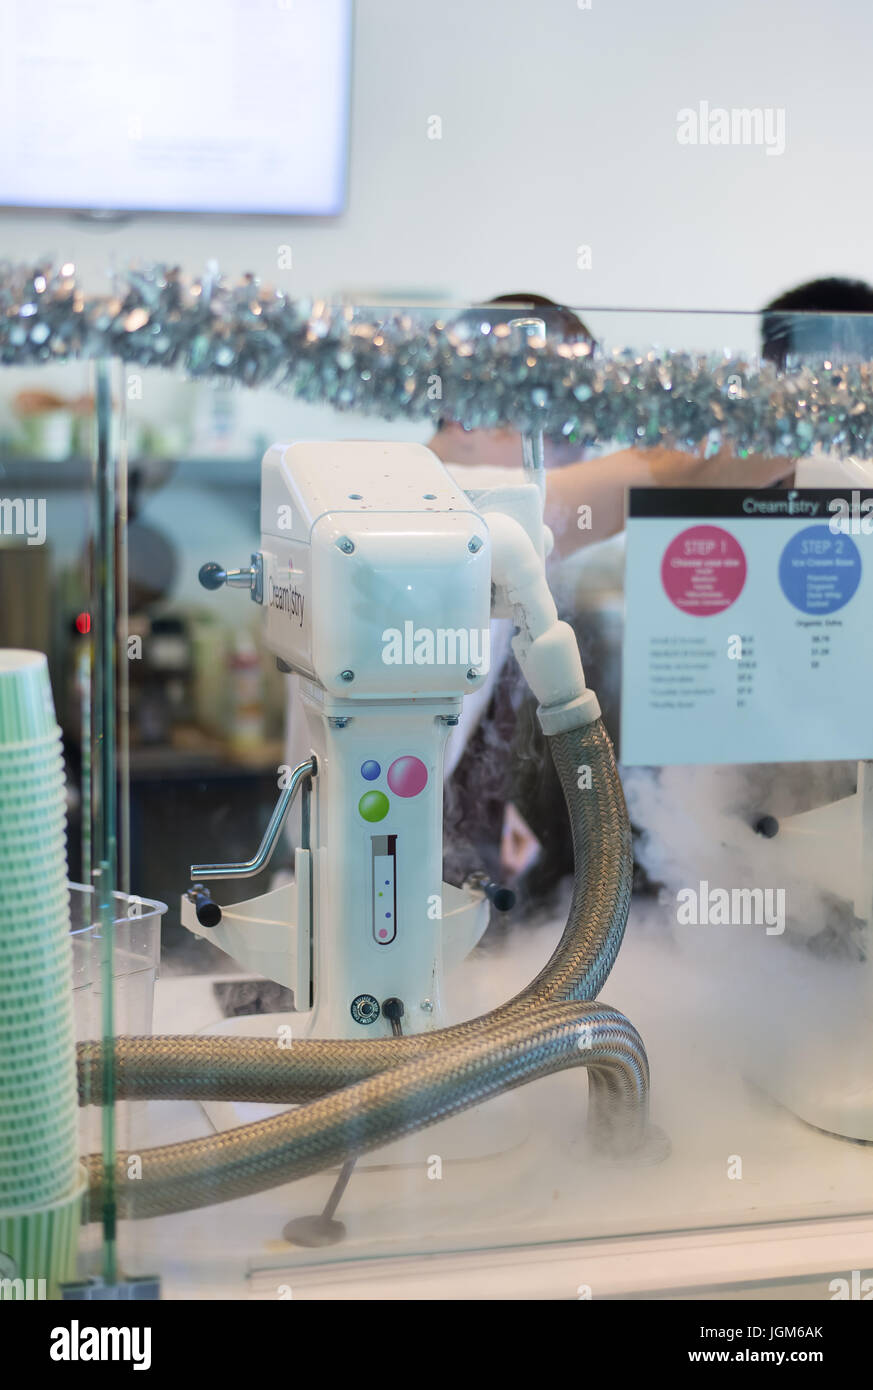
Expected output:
(703, 570)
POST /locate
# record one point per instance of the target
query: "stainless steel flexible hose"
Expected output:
(201, 1172)
(373, 1090)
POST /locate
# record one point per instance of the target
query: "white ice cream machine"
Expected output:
(376, 576)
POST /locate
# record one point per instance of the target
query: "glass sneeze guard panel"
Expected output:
(423, 872)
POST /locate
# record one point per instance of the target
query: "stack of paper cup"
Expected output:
(40, 1177)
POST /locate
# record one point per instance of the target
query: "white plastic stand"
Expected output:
(820, 1066)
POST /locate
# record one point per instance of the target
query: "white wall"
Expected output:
(559, 128)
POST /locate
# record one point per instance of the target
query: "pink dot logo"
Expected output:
(407, 776)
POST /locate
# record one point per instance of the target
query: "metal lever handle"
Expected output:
(213, 575)
(271, 834)
(532, 454)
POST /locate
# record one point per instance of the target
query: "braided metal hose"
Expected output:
(396, 1085)
(201, 1172)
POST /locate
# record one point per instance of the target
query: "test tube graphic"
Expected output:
(384, 895)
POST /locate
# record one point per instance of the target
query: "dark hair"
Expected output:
(560, 322)
(832, 315)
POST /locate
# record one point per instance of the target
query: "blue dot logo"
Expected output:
(371, 770)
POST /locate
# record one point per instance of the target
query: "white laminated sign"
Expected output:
(748, 626)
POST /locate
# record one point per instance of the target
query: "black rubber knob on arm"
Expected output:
(208, 912)
(211, 575)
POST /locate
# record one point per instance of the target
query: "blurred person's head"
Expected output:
(502, 447)
(833, 315)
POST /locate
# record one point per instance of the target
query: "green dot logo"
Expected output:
(374, 806)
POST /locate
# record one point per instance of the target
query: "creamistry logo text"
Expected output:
(287, 598)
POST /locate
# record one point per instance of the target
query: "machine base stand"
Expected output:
(145, 1286)
(314, 1231)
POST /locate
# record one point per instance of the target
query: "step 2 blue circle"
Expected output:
(819, 571)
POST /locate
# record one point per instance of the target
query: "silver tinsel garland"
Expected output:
(393, 364)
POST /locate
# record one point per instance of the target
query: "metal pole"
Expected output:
(104, 836)
(532, 453)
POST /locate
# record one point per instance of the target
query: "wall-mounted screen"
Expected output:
(234, 106)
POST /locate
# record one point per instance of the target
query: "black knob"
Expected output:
(393, 1010)
(211, 575)
(208, 912)
(502, 898)
(767, 826)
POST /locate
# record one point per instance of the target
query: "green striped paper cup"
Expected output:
(38, 1245)
(26, 709)
(38, 1141)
